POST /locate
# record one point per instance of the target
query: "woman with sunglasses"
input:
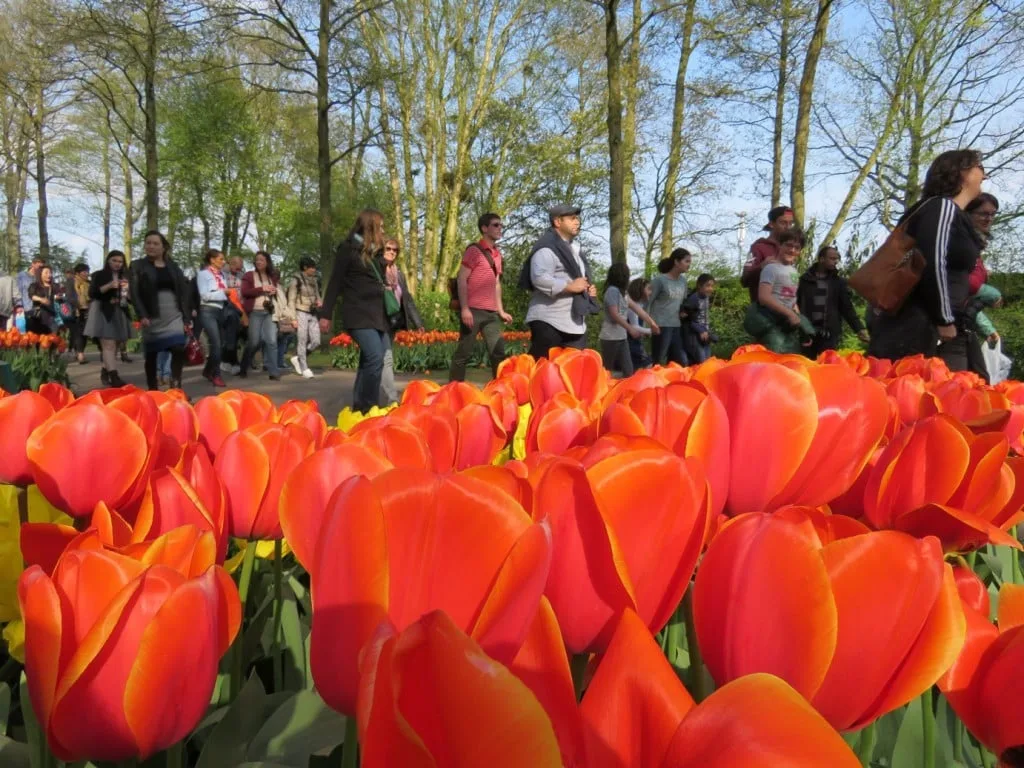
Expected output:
(933, 320)
(408, 317)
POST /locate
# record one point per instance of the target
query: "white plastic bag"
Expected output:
(996, 362)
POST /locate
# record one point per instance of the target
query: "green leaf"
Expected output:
(294, 644)
(909, 749)
(301, 726)
(14, 754)
(242, 720)
(5, 709)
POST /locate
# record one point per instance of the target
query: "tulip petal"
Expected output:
(957, 529)
(769, 400)
(398, 442)
(757, 720)
(762, 602)
(634, 703)
(1011, 606)
(481, 436)
(431, 697)
(20, 414)
(161, 704)
(42, 544)
(46, 644)
(310, 486)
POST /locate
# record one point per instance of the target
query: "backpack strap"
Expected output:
(487, 255)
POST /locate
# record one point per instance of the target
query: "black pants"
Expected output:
(818, 345)
(231, 323)
(76, 330)
(912, 332)
(667, 346)
(177, 363)
(544, 336)
(616, 357)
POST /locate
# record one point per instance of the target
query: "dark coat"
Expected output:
(838, 305)
(359, 287)
(142, 275)
(109, 300)
(250, 291)
(409, 317)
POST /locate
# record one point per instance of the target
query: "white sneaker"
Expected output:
(235, 370)
(307, 374)
(297, 367)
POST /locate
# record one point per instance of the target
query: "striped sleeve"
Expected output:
(947, 213)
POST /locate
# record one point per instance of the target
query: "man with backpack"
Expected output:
(478, 289)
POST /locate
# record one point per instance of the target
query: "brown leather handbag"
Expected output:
(887, 278)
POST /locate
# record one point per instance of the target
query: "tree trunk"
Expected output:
(631, 89)
(675, 146)
(149, 86)
(129, 205)
(916, 129)
(395, 183)
(43, 208)
(780, 102)
(323, 138)
(803, 110)
(617, 169)
(107, 196)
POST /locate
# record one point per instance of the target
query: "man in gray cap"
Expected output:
(559, 280)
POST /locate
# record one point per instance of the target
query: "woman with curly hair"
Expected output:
(933, 319)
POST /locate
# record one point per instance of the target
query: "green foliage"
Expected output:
(31, 368)
(433, 307)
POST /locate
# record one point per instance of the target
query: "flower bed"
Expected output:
(34, 359)
(426, 351)
(725, 565)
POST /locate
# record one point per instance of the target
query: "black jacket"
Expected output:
(360, 289)
(409, 317)
(838, 304)
(950, 245)
(109, 300)
(143, 277)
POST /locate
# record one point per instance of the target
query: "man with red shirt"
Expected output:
(766, 249)
(481, 310)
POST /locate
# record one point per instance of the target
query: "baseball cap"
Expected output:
(563, 209)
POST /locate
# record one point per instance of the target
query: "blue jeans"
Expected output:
(211, 320)
(262, 329)
(284, 340)
(372, 346)
(163, 364)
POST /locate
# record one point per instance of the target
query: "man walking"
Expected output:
(562, 294)
(25, 279)
(766, 249)
(480, 307)
(232, 312)
(824, 299)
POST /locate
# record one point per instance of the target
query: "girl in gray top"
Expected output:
(615, 326)
(668, 291)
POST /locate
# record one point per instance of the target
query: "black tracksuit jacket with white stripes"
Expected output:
(950, 245)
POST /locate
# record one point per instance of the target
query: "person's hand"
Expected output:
(325, 325)
(579, 285)
(947, 332)
(704, 337)
(633, 332)
(505, 317)
(318, 303)
(592, 290)
(862, 334)
(998, 303)
(466, 316)
(655, 328)
(144, 322)
(992, 338)
(793, 318)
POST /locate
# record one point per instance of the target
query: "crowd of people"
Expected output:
(788, 312)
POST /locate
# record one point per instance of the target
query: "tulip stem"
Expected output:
(693, 648)
(578, 667)
(248, 561)
(958, 740)
(278, 601)
(22, 504)
(350, 753)
(1015, 573)
(928, 729)
(866, 748)
(175, 754)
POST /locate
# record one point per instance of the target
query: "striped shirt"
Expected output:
(482, 282)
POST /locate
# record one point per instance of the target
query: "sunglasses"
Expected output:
(389, 248)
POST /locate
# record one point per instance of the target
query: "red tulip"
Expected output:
(859, 626)
(229, 412)
(407, 543)
(936, 478)
(560, 424)
(469, 437)
(106, 641)
(611, 553)
(984, 684)
(253, 465)
(818, 425)
(972, 590)
(58, 395)
(485, 717)
(399, 442)
(577, 372)
(113, 467)
(305, 413)
(20, 414)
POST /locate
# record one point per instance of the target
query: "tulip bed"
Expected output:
(34, 359)
(764, 561)
(425, 351)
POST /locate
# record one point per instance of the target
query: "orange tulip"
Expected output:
(817, 426)
(983, 686)
(859, 626)
(560, 424)
(112, 462)
(611, 553)
(122, 653)
(578, 372)
(430, 696)
(58, 395)
(399, 442)
(937, 478)
(972, 590)
(253, 465)
(20, 414)
(469, 437)
(229, 412)
(305, 413)
(409, 542)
